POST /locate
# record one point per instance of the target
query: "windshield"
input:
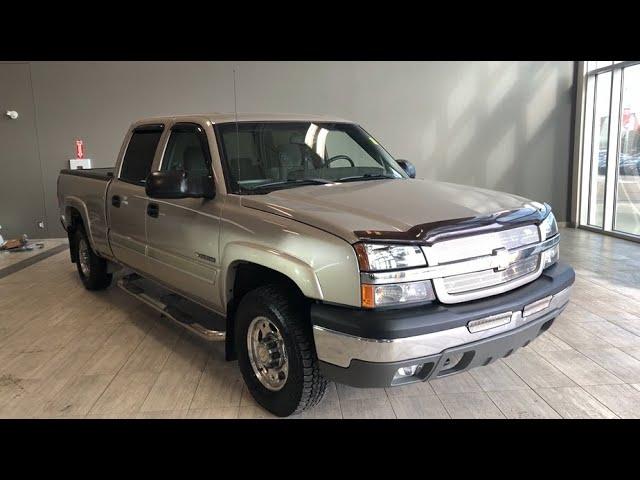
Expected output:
(264, 156)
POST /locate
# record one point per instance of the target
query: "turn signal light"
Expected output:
(396, 293)
(368, 295)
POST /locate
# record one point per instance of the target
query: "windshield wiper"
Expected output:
(366, 176)
(287, 183)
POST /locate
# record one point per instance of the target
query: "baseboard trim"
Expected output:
(567, 224)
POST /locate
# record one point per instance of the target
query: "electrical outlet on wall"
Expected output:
(41, 224)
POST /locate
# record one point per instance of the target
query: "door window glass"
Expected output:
(600, 149)
(187, 150)
(627, 217)
(138, 158)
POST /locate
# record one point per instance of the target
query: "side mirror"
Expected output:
(179, 184)
(408, 167)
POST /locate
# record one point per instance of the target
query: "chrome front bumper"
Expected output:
(340, 349)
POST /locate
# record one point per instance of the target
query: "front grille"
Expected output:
(483, 244)
(468, 282)
(484, 255)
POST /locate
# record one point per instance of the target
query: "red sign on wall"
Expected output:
(79, 149)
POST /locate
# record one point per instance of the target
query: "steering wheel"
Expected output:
(338, 157)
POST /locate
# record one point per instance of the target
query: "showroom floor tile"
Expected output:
(66, 352)
(470, 405)
(574, 402)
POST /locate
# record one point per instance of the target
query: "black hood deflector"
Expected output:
(430, 233)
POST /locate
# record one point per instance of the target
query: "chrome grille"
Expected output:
(486, 264)
(471, 278)
(467, 282)
(483, 244)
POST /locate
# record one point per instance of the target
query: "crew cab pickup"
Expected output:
(312, 253)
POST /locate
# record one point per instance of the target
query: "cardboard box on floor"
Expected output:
(14, 243)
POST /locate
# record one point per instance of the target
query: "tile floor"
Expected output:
(67, 352)
(8, 258)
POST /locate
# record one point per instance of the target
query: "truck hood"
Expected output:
(413, 210)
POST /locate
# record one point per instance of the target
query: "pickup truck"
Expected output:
(301, 243)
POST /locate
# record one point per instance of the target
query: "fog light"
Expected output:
(409, 371)
(536, 306)
(492, 321)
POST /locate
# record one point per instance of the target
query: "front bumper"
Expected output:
(436, 337)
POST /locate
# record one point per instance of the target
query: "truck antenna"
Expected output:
(235, 109)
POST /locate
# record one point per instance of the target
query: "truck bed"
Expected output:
(95, 173)
(85, 192)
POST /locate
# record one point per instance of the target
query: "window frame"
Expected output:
(148, 127)
(583, 148)
(204, 143)
(591, 180)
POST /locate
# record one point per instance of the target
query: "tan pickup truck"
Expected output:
(301, 243)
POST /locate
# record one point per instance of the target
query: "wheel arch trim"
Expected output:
(296, 270)
(75, 203)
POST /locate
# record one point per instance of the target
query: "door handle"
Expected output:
(115, 201)
(153, 210)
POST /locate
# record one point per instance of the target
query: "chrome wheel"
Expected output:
(267, 353)
(83, 257)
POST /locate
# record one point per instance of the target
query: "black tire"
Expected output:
(305, 386)
(97, 278)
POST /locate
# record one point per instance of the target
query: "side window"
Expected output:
(138, 158)
(187, 150)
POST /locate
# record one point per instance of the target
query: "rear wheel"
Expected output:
(276, 352)
(92, 269)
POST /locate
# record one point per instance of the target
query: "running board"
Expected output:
(195, 318)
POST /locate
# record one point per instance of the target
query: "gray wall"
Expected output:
(501, 125)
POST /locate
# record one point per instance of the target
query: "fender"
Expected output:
(71, 201)
(302, 274)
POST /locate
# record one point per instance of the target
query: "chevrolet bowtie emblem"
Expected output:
(501, 259)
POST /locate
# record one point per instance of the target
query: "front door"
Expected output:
(183, 234)
(127, 200)
(21, 194)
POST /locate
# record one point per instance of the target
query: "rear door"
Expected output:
(127, 200)
(183, 234)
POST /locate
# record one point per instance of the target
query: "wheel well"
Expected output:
(74, 220)
(242, 278)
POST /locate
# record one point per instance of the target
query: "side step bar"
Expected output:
(176, 308)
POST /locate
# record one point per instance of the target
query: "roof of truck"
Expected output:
(217, 117)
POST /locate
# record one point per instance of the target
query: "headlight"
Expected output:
(396, 293)
(548, 227)
(376, 257)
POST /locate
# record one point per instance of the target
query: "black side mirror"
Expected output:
(408, 167)
(179, 184)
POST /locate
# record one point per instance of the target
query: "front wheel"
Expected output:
(276, 352)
